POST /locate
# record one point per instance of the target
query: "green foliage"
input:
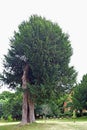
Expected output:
(4, 97)
(52, 109)
(43, 45)
(80, 95)
(1, 111)
(10, 118)
(12, 105)
(67, 114)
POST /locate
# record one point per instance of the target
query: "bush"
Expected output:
(68, 114)
(12, 106)
(9, 118)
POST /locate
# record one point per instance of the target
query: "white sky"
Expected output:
(71, 15)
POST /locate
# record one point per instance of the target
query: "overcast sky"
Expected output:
(71, 15)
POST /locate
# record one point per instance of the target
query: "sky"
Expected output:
(71, 15)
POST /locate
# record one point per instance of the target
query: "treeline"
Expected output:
(11, 107)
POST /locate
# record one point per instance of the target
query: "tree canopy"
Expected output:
(46, 49)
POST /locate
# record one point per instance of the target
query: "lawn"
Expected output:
(47, 125)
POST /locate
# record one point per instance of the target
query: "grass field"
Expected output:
(46, 125)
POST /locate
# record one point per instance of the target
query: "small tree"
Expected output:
(38, 59)
(80, 95)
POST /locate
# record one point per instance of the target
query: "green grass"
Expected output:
(64, 124)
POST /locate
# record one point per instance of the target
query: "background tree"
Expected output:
(79, 97)
(38, 59)
(4, 96)
(11, 105)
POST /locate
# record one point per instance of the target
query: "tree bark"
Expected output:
(25, 108)
(28, 105)
(31, 111)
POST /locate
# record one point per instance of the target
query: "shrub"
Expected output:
(9, 118)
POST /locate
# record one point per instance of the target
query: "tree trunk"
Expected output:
(28, 106)
(81, 114)
(31, 111)
(25, 108)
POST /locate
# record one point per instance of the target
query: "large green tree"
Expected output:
(38, 60)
